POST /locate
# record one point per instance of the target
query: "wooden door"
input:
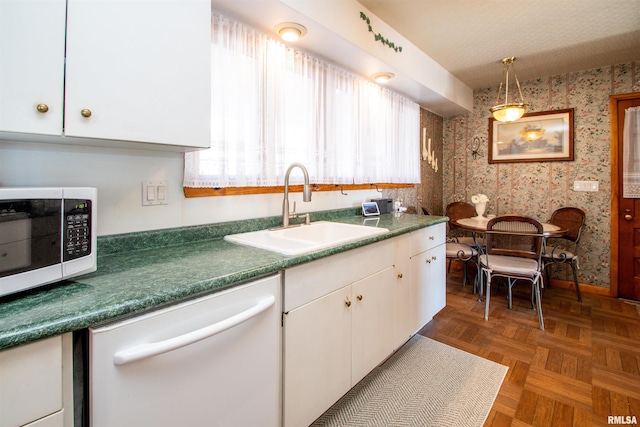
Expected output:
(625, 212)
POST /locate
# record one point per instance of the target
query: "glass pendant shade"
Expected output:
(508, 110)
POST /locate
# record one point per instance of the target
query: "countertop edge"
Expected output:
(92, 317)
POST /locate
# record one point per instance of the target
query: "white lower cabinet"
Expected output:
(331, 342)
(345, 314)
(428, 272)
(405, 324)
(36, 384)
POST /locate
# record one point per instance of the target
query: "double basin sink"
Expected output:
(306, 238)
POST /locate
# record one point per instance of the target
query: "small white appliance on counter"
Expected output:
(46, 235)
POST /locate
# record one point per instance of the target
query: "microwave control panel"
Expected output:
(77, 228)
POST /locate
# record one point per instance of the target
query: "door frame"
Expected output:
(615, 193)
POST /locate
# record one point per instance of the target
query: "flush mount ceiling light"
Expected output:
(382, 77)
(290, 31)
(506, 109)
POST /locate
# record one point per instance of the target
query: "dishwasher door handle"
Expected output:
(146, 350)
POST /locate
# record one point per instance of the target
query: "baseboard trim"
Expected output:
(584, 287)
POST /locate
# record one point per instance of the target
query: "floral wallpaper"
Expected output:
(428, 194)
(537, 189)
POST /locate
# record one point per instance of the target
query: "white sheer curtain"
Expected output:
(273, 105)
(631, 154)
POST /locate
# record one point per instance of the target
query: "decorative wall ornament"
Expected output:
(379, 37)
(427, 154)
(475, 147)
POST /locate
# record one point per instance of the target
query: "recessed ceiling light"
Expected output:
(382, 77)
(290, 31)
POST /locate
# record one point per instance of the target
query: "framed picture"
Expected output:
(537, 137)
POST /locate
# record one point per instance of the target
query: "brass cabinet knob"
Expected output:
(359, 297)
(42, 108)
(347, 302)
(399, 275)
(428, 261)
(434, 258)
(628, 217)
(431, 237)
(85, 112)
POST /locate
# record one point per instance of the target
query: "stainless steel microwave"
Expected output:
(46, 235)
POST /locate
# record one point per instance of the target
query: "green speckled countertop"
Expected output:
(138, 272)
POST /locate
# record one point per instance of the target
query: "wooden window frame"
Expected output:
(239, 191)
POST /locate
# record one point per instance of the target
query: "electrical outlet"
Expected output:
(154, 193)
(586, 185)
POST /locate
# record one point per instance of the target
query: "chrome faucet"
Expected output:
(306, 193)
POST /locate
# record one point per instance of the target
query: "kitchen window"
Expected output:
(273, 105)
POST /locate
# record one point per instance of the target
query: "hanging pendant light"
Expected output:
(508, 110)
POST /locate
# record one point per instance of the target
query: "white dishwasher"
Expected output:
(212, 361)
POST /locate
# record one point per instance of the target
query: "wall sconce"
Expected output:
(427, 154)
(508, 110)
(475, 147)
(290, 31)
(382, 77)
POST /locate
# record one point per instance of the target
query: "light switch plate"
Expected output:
(586, 185)
(154, 193)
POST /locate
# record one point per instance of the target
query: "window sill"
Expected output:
(239, 191)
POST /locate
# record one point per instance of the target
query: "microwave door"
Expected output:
(29, 243)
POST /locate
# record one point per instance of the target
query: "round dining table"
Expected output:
(479, 225)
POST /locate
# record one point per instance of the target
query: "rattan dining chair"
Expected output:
(513, 250)
(459, 210)
(460, 245)
(571, 219)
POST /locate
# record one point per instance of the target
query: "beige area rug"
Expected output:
(425, 383)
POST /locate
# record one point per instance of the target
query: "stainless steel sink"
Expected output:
(306, 238)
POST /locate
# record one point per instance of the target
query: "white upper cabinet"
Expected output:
(32, 36)
(136, 71)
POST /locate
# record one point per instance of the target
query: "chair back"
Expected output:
(570, 218)
(514, 235)
(458, 210)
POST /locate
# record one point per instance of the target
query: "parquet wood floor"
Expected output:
(583, 368)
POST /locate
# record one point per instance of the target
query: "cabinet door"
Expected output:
(142, 69)
(437, 288)
(428, 283)
(405, 312)
(317, 356)
(372, 322)
(32, 36)
(31, 382)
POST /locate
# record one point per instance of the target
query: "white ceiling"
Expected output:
(548, 37)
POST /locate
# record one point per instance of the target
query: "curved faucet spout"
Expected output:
(306, 194)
